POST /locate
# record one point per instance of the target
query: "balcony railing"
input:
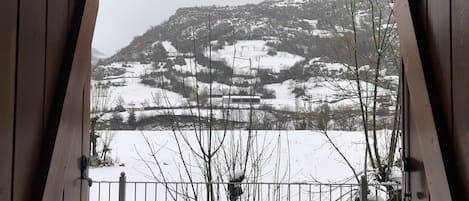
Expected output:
(232, 191)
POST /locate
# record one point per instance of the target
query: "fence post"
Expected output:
(122, 181)
(363, 188)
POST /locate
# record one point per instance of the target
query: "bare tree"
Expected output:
(100, 99)
(106, 142)
(212, 145)
(368, 50)
(157, 98)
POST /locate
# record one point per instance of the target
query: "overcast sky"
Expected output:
(119, 21)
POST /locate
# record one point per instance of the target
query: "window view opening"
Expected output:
(246, 100)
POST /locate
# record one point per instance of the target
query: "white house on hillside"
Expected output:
(241, 99)
(134, 108)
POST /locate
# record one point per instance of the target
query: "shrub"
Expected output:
(272, 52)
(180, 61)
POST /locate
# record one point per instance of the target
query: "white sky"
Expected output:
(119, 21)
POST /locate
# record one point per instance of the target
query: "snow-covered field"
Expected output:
(190, 67)
(304, 155)
(250, 55)
(336, 92)
(137, 93)
(283, 156)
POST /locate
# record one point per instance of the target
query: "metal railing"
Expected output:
(228, 191)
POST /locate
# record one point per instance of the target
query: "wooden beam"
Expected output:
(8, 23)
(29, 104)
(460, 58)
(420, 102)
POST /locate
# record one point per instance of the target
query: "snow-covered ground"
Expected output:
(137, 93)
(217, 88)
(284, 3)
(172, 51)
(305, 156)
(190, 67)
(283, 156)
(317, 90)
(132, 92)
(252, 55)
(234, 114)
(336, 92)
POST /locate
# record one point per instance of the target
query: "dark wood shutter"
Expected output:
(435, 49)
(45, 58)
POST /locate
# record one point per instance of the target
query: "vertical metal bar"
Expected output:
(145, 191)
(351, 192)
(156, 191)
(166, 191)
(188, 194)
(299, 192)
(363, 188)
(261, 195)
(196, 191)
(249, 193)
(277, 192)
(176, 191)
(341, 192)
(376, 192)
(310, 192)
(109, 191)
(135, 191)
(330, 192)
(122, 180)
(259, 188)
(320, 192)
(288, 193)
(99, 191)
(254, 193)
(268, 192)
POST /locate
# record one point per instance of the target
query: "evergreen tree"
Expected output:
(116, 121)
(132, 121)
(323, 116)
(159, 54)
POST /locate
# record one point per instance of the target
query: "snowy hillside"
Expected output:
(291, 53)
(249, 56)
(95, 56)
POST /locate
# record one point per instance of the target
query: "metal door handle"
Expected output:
(84, 167)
